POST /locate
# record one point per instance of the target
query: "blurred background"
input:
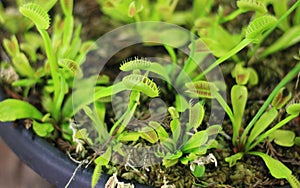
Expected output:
(15, 174)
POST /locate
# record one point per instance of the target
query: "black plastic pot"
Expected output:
(46, 160)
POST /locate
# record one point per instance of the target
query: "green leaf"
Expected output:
(100, 111)
(202, 89)
(144, 64)
(11, 46)
(283, 138)
(71, 66)
(198, 171)
(197, 140)
(191, 157)
(169, 162)
(83, 135)
(104, 158)
(22, 66)
(196, 115)
(149, 134)
(280, 7)
(129, 136)
(234, 158)
(67, 132)
(13, 109)
(176, 129)
(262, 123)
(42, 129)
(161, 132)
(181, 104)
(96, 174)
(141, 83)
(36, 14)
(253, 77)
(289, 38)
(293, 109)
(24, 83)
(241, 74)
(172, 156)
(173, 112)
(252, 5)
(281, 98)
(239, 97)
(133, 10)
(297, 141)
(213, 130)
(67, 6)
(277, 169)
(259, 25)
(169, 144)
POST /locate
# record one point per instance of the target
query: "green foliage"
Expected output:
(12, 109)
(293, 109)
(36, 14)
(100, 161)
(250, 5)
(63, 59)
(259, 25)
(277, 169)
(198, 171)
(19, 60)
(142, 84)
(42, 129)
(288, 38)
(283, 138)
(259, 130)
(239, 95)
(185, 138)
(282, 97)
(128, 11)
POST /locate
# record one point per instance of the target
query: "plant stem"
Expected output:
(232, 15)
(230, 114)
(54, 73)
(171, 53)
(126, 117)
(232, 52)
(281, 84)
(267, 133)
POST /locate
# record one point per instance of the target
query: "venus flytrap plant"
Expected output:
(21, 64)
(184, 139)
(280, 20)
(254, 30)
(181, 146)
(42, 21)
(261, 121)
(292, 110)
(13, 22)
(64, 66)
(239, 94)
(192, 145)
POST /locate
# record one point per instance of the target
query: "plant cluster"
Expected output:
(176, 133)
